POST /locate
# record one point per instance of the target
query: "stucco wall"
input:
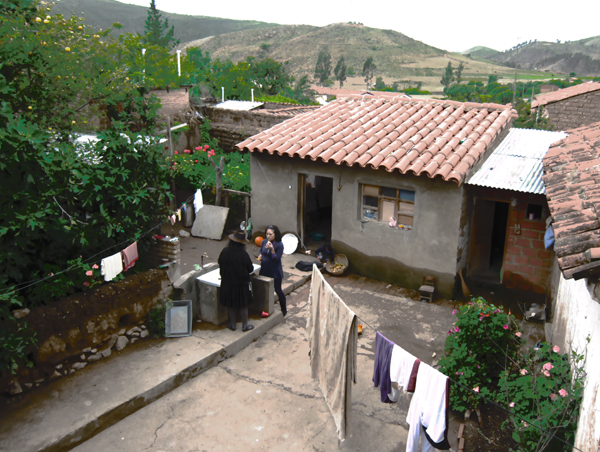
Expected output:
(378, 251)
(576, 316)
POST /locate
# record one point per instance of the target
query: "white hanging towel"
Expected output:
(198, 204)
(401, 366)
(111, 266)
(428, 409)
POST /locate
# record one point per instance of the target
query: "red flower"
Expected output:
(195, 161)
(175, 152)
(211, 152)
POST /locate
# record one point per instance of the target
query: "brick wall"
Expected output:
(575, 111)
(172, 102)
(526, 262)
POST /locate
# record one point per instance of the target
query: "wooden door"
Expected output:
(481, 236)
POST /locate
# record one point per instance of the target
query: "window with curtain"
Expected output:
(383, 203)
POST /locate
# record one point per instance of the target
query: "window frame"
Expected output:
(384, 201)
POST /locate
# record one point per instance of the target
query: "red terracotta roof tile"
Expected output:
(425, 137)
(572, 180)
(565, 93)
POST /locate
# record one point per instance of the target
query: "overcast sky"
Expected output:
(454, 26)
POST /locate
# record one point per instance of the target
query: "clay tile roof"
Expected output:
(572, 179)
(288, 111)
(565, 93)
(425, 137)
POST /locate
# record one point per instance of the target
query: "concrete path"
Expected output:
(264, 398)
(73, 409)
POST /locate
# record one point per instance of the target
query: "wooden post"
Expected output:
(173, 201)
(247, 208)
(219, 171)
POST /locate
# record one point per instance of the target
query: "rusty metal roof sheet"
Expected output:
(516, 164)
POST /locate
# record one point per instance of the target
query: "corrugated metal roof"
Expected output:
(516, 164)
(238, 105)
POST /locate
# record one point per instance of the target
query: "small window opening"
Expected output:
(534, 212)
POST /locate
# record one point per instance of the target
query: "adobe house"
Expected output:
(509, 213)
(366, 160)
(572, 178)
(571, 107)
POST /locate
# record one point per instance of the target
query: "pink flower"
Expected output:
(454, 312)
(556, 349)
(199, 148)
(548, 366)
(86, 283)
(175, 152)
(205, 147)
(211, 152)
(525, 424)
(563, 393)
(95, 266)
(512, 404)
(553, 396)
(456, 329)
(546, 373)
(456, 373)
(461, 373)
(187, 151)
(476, 389)
(195, 161)
(449, 332)
(505, 327)
(478, 366)
(523, 372)
(518, 334)
(89, 273)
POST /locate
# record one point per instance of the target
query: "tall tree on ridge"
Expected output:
(340, 71)
(368, 72)
(157, 30)
(448, 77)
(323, 68)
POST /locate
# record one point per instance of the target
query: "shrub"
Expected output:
(156, 319)
(545, 388)
(475, 351)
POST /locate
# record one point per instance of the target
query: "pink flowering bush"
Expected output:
(192, 168)
(543, 388)
(474, 351)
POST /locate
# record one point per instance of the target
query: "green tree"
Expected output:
(272, 76)
(459, 71)
(323, 68)
(340, 71)
(351, 72)
(379, 84)
(61, 200)
(368, 71)
(157, 30)
(448, 77)
(528, 119)
(492, 79)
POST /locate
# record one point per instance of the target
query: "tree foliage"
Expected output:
(458, 72)
(448, 77)
(157, 30)
(368, 71)
(59, 199)
(323, 68)
(340, 71)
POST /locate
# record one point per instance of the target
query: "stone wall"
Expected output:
(172, 101)
(575, 111)
(89, 324)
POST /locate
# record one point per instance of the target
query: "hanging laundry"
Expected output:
(401, 369)
(381, 367)
(198, 204)
(111, 266)
(333, 338)
(178, 213)
(428, 412)
(130, 255)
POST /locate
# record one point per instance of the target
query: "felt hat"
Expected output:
(239, 236)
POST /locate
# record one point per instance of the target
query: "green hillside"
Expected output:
(480, 52)
(103, 13)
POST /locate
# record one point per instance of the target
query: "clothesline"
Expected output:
(494, 403)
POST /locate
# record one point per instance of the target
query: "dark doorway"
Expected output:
(488, 240)
(317, 209)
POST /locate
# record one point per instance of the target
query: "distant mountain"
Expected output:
(103, 13)
(480, 52)
(581, 57)
(301, 44)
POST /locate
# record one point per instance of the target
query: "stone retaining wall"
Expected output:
(86, 326)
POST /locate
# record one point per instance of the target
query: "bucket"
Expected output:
(188, 216)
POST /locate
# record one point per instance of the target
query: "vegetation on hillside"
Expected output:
(157, 31)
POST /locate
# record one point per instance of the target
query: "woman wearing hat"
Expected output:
(236, 288)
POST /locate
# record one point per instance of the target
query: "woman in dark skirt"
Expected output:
(236, 288)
